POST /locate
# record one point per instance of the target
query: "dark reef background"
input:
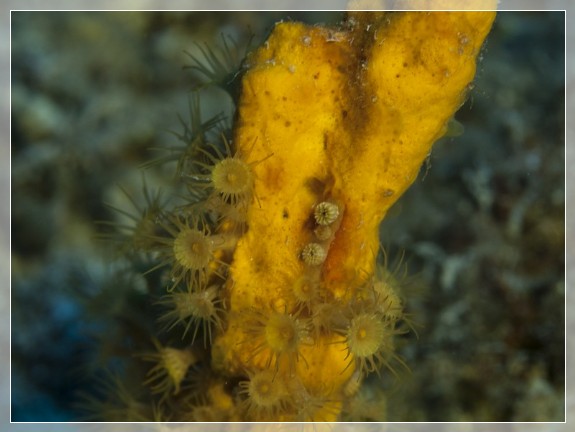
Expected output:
(482, 231)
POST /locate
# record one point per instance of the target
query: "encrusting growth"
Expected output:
(272, 262)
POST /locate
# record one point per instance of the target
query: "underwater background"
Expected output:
(482, 231)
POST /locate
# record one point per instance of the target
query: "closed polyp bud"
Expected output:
(313, 254)
(323, 232)
(325, 213)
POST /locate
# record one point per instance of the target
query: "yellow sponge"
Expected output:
(341, 120)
